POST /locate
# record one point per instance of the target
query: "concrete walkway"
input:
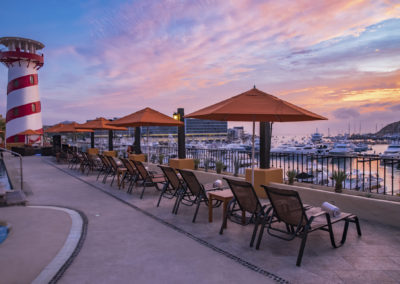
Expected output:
(122, 244)
(131, 240)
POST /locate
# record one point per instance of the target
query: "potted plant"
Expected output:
(219, 165)
(206, 164)
(196, 163)
(291, 174)
(161, 159)
(339, 177)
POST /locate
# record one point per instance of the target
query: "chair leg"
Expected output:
(162, 193)
(131, 184)
(256, 225)
(101, 170)
(144, 187)
(302, 246)
(357, 225)
(106, 176)
(178, 201)
(197, 209)
(225, 220)
(260, 235)
(112, 181)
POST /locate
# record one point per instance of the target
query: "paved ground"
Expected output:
(35, 238)
(138, 242)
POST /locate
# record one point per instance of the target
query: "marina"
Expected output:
(370, 170)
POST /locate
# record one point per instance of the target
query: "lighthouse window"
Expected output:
(31, 79)
(16, 83)
(16, 138)
(33, 108)
(16, 112)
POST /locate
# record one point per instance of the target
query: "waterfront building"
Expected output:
(23, 103)
(195, 129)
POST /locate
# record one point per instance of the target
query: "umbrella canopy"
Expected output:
(52, 128)
(30, 132)
(146, 117)
(255, 105)
(68, 128)
(100, 124)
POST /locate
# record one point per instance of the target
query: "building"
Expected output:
(23, 102)
(238, 132)
(194, 129)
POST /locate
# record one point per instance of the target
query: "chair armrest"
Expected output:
(318, 214)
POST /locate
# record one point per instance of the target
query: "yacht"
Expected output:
(392, 152)
(361, 147)
(316, 137)
(342, 149)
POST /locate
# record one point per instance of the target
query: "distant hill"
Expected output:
(390, 129)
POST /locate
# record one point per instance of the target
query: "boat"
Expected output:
(392, 151)
(342, 149)
(316, 137)
(361, 147)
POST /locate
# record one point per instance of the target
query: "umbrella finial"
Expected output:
(254, 86)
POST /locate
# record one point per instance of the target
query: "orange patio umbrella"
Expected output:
(52, 128)
(101, 124)
(146, 117)
(255, 105)
(69, 128)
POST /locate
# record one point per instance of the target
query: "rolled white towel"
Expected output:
(217, 183)
(331, 209)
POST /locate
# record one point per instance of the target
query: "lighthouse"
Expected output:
(23, 60)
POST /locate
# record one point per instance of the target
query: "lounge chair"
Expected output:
(174, 185)
(148, 178)
(113, 169)
(105, 169)
(245, 200)
(288, 209)
(131, 174)
(196, 190)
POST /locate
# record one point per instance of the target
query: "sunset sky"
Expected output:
(340, 59)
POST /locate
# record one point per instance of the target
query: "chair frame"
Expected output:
(175, 186)
(147, 178)
(258, 214)
(305, 223)
(131, 174)
(199, 195)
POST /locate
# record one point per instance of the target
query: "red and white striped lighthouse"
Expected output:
(23, 103)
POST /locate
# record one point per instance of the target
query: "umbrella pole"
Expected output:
(252, 154)
(148, 147)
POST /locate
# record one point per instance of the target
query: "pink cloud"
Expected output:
(168, 54)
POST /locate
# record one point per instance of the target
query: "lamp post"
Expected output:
(179, 115)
